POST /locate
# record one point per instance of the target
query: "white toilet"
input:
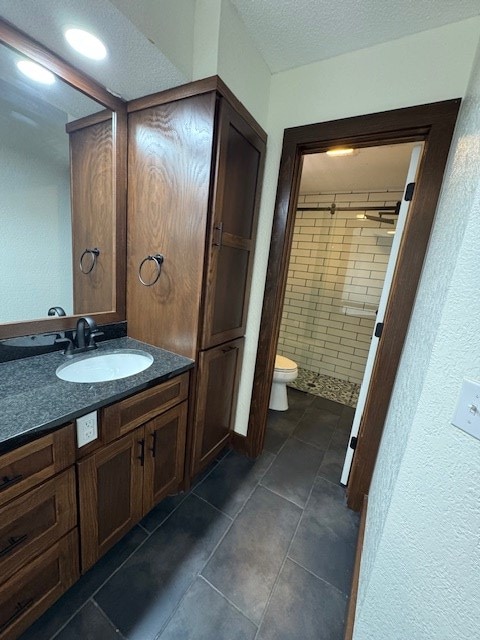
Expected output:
(286, 370)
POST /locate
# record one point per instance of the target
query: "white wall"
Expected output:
(35, 239)
(335, 279)
(223, 47)
(167, 24)
(420, 575)
(427, 67)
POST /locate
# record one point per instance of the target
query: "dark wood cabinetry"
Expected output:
(120, 482)
(110, 494)
(218, 374)
(38, 533)
(194, 174)
(28, 593)
(28, 466)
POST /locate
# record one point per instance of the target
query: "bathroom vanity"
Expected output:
(181, 280)
(63, 506)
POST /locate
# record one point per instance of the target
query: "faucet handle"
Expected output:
(96, 333)
(68, 343)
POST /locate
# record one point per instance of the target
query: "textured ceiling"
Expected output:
(135, 67)
(371, 168)
(290, 33)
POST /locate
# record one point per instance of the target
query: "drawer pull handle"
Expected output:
(8, 482)
(154, 443)
(19, 609)
(13, 542)
(141, 457)
(227, 349)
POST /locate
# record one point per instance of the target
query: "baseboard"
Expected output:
(240, 443)
(352, 603)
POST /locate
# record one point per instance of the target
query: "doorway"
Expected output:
(432, 124)
(344, 248)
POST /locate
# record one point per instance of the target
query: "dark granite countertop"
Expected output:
(33, 401)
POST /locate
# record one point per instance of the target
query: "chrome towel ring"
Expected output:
(158, 259)
(93, 253)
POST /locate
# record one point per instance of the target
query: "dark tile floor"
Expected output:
(258, 549)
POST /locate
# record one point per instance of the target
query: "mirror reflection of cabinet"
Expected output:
(93, 226)
(37, 161)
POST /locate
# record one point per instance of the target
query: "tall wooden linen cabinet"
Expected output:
(195, 168)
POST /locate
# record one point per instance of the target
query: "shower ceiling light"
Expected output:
(340, 152)
(86, 44)
(35, 72)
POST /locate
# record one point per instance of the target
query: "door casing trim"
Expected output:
(431, 123)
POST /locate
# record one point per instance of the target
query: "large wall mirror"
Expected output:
(62, 193)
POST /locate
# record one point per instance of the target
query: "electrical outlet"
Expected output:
(87, 429)
(467, 413)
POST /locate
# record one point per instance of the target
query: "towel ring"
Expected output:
(158, 259)
(93, 253)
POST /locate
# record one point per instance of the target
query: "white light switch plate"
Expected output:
(87, 429)
(467, 413)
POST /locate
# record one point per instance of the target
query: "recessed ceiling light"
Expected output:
(86, 44)
(35, 72)
(340, 152)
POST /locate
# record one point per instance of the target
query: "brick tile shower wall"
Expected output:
(336, 272)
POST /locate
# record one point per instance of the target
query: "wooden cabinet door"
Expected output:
(170, 150)
(217, 388)
(93, 216)
(236, 199)
(26, 467)
(33, 522)
(165, 455)
(110, 493)
(35, 587)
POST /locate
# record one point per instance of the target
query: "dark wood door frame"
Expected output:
(431, 123)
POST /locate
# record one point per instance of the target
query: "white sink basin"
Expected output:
(103, 367)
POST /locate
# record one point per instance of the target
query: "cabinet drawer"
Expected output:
(32, 522)
(123, 416)
(34, 588)
(28, 466)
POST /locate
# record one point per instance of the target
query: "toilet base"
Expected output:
(278, 397)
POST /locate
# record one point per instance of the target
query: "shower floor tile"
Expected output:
(328, 387)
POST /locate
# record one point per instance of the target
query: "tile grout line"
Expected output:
(283, 564)
(199, 573)
(235, 606)
(102, 612)
(312, 573)
(224, 513)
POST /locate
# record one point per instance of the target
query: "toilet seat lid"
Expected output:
(284, 364)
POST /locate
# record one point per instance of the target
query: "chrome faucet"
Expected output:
(84, 338)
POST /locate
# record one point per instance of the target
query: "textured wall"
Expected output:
(366, 81)
(35, 240)
(335, 279)
(420, 575)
